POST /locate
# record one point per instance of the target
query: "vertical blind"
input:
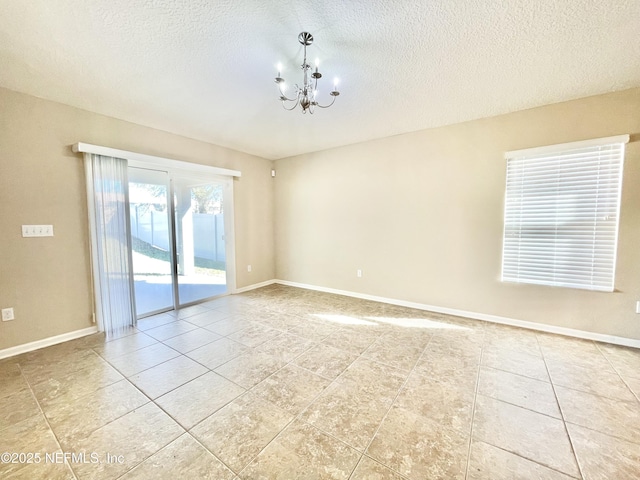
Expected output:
(107, 192)
(561, 214)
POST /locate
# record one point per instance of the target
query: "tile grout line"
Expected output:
(553, 386)
(246, 390)
(517, 373)
(299, 415)
(179, 354)
(598, 395)
(521, 407)
(123, 379)
(153, 401)
(564, 421)
(138, 350)
(171, 390)
(44, 416)
(530, 410)
(294, 417)
(362, 457)
(636, 395)
(384, 417)
(235, 474)
(336, 380)
(361, 355)
(332, 382)
(149, 400)
(235, 357)
(475, 401)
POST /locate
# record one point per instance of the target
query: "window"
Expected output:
(561, 214)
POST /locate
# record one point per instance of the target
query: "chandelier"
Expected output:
(306, 94)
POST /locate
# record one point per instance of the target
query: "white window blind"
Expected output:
(561, 214)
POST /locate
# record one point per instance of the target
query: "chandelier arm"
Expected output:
(326, 106)
(282, 95)
(294, 105)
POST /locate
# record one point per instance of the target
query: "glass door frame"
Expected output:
(170, 234)
(227, 202)
(228, 218)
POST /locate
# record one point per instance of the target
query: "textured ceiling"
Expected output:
(205, 69)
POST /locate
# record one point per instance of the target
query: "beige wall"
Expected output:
(421, 215)
(46, 280)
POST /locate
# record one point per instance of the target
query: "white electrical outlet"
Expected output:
(638, 306)
(248, 268)
(359, 273)
(37, 230)
(7, 314)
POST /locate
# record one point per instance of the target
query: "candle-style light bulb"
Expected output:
(335, 84)
(279, 68)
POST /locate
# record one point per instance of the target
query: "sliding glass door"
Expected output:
(200, 239)
(179, 247)
(151, 240)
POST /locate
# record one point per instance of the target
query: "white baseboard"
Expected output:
(254, 286)
(570, 332)
(46, 342)
(599, 337)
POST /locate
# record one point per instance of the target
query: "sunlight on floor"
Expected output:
(342, 319)
(398, 322)
(417, 323)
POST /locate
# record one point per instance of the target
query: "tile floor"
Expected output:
(283, 383)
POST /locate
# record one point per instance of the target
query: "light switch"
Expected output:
(37, 230)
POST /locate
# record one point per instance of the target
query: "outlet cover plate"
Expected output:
(7, 314)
